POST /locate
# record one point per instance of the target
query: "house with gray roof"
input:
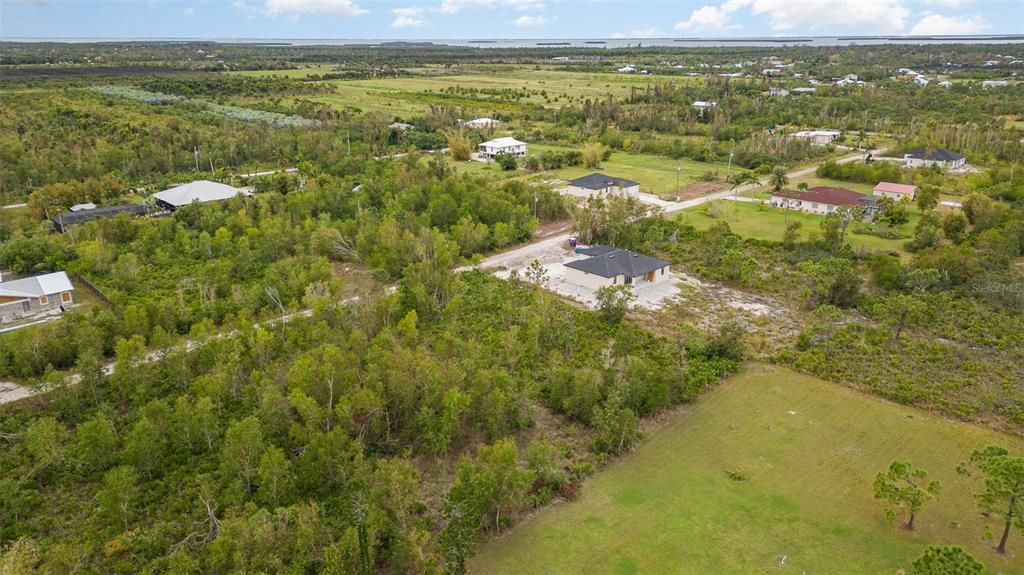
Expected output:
(30, 296)
(927, 158)
(594, 183)
(604, 266)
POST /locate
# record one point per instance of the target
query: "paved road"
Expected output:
(525, 252)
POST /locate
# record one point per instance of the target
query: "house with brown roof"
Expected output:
(821, 200)
(895, 191)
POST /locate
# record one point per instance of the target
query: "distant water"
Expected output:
(597, 43)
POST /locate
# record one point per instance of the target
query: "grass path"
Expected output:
(810, 450)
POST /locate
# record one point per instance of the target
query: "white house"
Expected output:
(818, 200)
(33, 295)
(198, 192)
(596, 183)
(482, 123)
(626, 70)
(895, 191)
(607, 266)
(496, 147)
(803, 90)
(776, 91)
(922, 158)
(819, 137)
(771, 72)
(994, 83)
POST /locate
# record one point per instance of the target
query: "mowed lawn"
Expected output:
(810, 450)
(768, 223)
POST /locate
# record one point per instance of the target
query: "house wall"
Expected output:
(15, 310)
(576, 190)
(803, 206)
(919, 163)
(893, 195)
(591, 281)
(516, 151)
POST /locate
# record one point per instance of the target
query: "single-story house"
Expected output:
(607, 266)
(776, 91)
(804, 90)
(771, 72)
(496, 147)
(592, 183)
(29, 296)
(400, 127)
(922, 158)
(480, 123)
(895, 191)
(701, 106)
(994, 83)
(820, 137)
(626, 70)
(818, 200)
(62, 221)
(197, 192)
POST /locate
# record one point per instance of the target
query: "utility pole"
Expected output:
(195, 152)
(678, 170)
(348, 140)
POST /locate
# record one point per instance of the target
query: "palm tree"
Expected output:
(779, 178)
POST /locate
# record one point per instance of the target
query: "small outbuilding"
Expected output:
(819, 137)
(607, 266)
(509, 146)
(197, 192)
(597, 183)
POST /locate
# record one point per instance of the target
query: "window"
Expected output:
(43, 300)
(662, 271)
(615, 280)
(65, 297)
(814, 205)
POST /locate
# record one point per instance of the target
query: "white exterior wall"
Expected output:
(578, 191)
(596, 282)
(892, 195)
(591, 281)
(803, 206)
(492, 151)
(919, 163)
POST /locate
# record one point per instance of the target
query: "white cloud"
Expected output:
(338, 8)
(250, 11)
(938, 25)
(530, 21)
(189, 11)
(949, 3)
(648, 33)
(711, 18)
(408, 18)
(887, 16)
(453, 6)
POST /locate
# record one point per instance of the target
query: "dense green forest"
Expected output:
(301, 381)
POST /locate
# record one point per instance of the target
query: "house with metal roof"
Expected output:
(499, 146)
(895, 191)
(30, 296)
(937, 157)
(819, 200)
(596, 183)
(604, 266)
(198, 192)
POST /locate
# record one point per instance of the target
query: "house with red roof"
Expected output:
(821, 200)
(895, 191)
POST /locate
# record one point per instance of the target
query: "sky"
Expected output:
(505, 19)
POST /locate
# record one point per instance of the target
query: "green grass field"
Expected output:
(656, 174)
(810, 450)
(768, 223)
